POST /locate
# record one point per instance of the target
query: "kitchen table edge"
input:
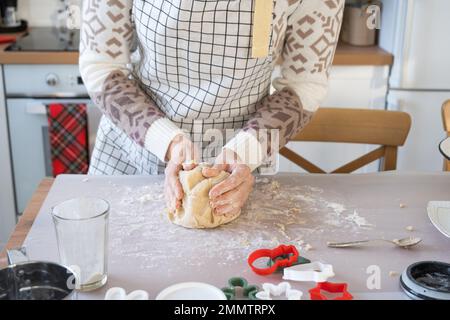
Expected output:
(27, 219)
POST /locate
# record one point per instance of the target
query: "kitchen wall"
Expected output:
(41, 13)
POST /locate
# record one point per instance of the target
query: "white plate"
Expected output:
(191, 291)
(439, 214)
(444, 147)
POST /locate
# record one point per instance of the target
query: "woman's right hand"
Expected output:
(182, 154)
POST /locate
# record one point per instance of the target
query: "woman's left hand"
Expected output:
(229, 196)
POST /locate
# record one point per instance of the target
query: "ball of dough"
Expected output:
(195, 211)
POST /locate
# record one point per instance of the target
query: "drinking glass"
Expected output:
(81, 226)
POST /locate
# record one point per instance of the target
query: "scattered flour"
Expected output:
(358, 220)
(337, 207)
(262, 180)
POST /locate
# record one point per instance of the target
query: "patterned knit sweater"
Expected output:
(153, 66)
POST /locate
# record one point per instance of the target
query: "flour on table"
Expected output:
(358, 220)
(275, 214)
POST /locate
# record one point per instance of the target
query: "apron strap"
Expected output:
(262, 21)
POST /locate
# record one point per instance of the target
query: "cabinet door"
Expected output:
(7, 205)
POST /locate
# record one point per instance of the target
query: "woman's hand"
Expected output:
(181, 155)
(229, 196)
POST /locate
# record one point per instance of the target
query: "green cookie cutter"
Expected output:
(300, 260)
(249, 291)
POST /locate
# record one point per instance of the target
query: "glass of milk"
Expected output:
(81, 226)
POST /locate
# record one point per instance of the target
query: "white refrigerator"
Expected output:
(417, 32)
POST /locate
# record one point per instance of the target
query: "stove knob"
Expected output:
(52, 80)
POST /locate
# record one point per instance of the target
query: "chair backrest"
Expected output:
(446, 120)
(389, 129)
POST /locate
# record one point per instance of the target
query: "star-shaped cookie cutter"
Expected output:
(316, 293)
(282, 256)
(315, 271)
(272, 290)
(248, 291)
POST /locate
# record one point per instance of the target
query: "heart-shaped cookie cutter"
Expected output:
(275, 290)
(120, 294)
(316, 293)
(282, 256)
(248, 291)
(315, 271)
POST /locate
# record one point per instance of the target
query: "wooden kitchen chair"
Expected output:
(446, 119)
(389, 129)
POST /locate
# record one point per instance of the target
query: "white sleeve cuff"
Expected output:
(247, 148)
(159, 136)
(311, 94)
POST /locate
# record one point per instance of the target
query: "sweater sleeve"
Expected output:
(106, 36)
(310, 42)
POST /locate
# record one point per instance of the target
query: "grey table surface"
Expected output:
(147, 252)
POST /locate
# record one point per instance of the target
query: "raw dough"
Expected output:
(196, 211)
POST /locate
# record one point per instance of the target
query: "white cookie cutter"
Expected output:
(121, 294)
(314, 271)
(270, 290)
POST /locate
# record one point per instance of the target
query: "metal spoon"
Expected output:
(403, 243)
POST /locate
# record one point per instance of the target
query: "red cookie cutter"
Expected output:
(287, 256)
(316, 293)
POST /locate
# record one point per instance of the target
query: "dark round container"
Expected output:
(427, 280)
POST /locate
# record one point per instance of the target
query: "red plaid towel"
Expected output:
(67, 125)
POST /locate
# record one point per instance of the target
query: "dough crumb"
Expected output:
(85, 180)
(402, 205)
(393, 273)
(308, 247)
(275, 185)
(409, 228)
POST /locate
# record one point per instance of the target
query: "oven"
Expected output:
(29, 88)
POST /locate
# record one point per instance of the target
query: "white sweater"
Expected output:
(194, 62)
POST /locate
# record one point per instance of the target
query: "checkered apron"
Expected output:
(193, 59)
